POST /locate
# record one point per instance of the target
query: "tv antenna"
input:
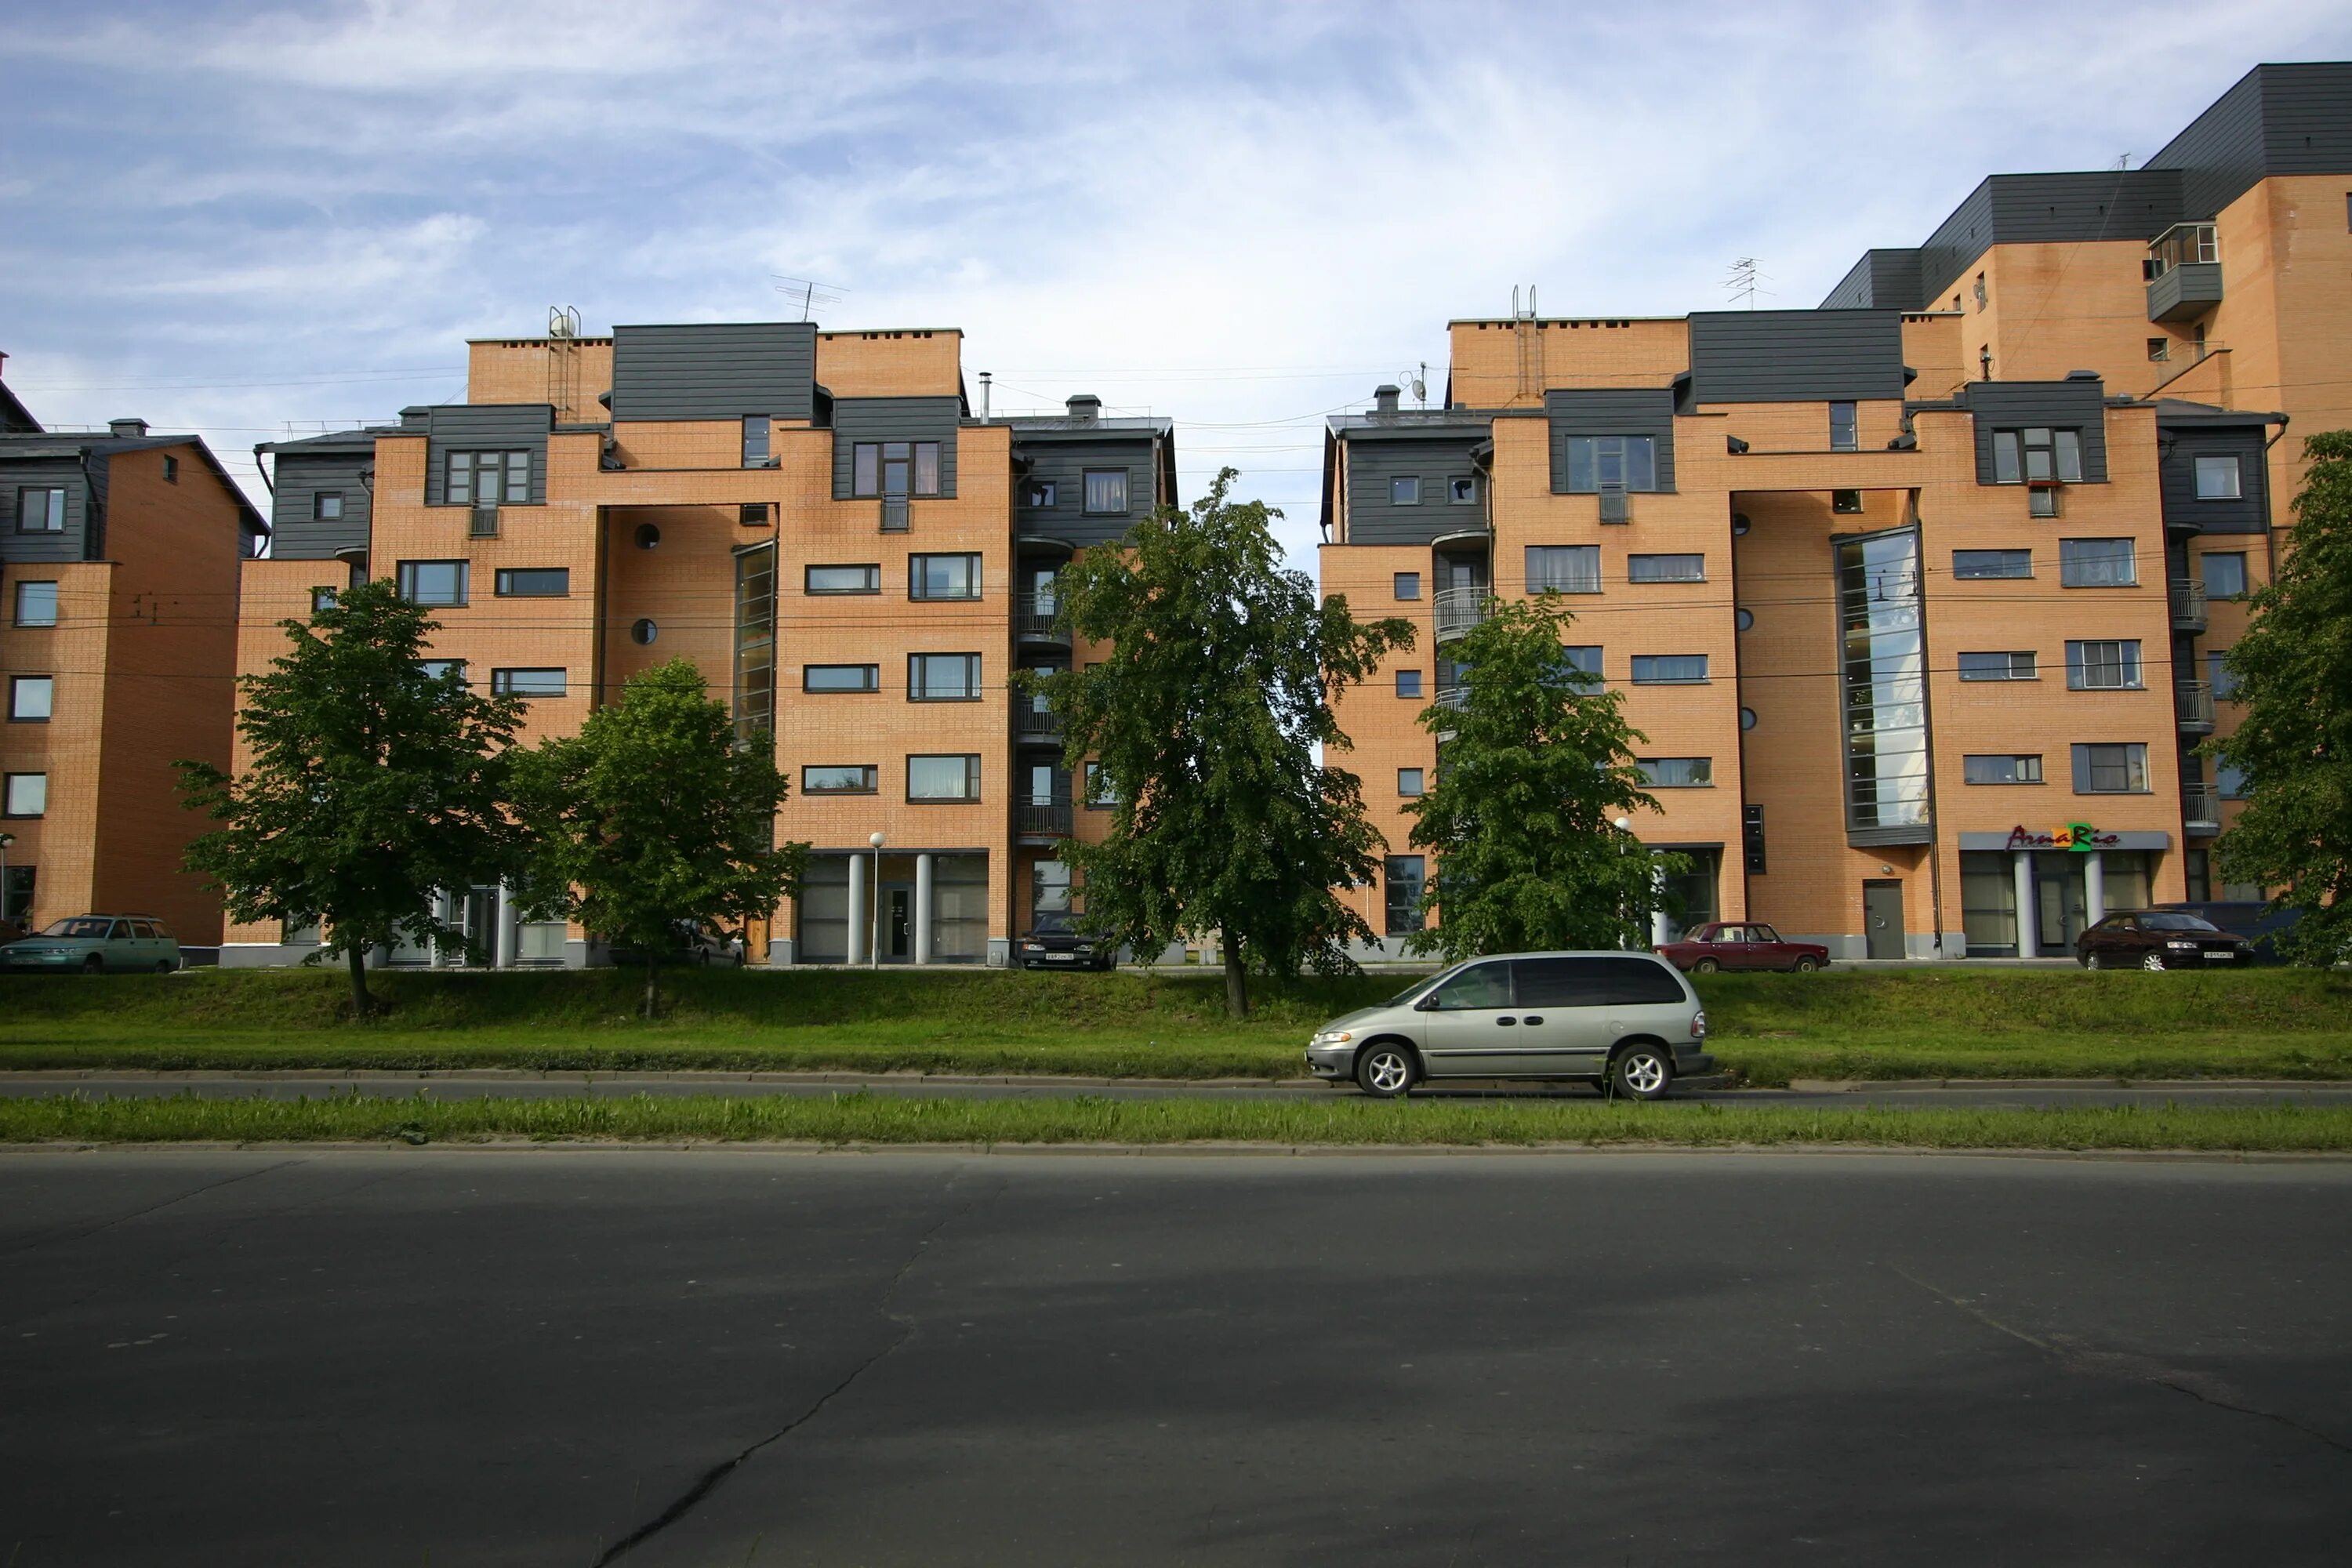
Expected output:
(1417, 384)
(1746, 280)
(811, 293)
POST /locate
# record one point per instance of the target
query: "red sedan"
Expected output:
(1741, 944)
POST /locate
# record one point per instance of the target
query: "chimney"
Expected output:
(1384, 399)
(1084, 409)
(127, 429)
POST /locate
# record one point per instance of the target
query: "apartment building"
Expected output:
(1918, 598)
(119, 558)
(819, 522)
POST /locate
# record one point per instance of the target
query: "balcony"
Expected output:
(2184, 273)
(1032, 722)
(1459, 609)
(2187, 605)
(1044, 818)
(1032, 619)
(1453, 695)
(2200, 810)
(894, 514)
(2192, 704)
(483, 521)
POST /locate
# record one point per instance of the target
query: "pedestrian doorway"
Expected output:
(897, 921)
(1882, 920)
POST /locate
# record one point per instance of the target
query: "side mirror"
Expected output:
(1427, 1004)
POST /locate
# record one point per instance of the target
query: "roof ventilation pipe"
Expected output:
(1384, 400)
(1085, 408)
(127, 429)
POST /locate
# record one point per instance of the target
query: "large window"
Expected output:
(1844, 428)
(1405, 876)
(2096, 564)
(1669, 668)
(2003, 769)
(1665, 568)
(1612, 462)
(486, 478)
(943, 678)
(436, 583)
(1563, 568)
(31, 698)
(1970, 566)
(755, 440)
(1677, 773)
(1884, 676)
(841, 677)
(2218, 479)
(2018, 664)
(1582, 663)
(25, 794)
(1106, 489)
(849, 779)
(1405, 490)
(2110, 769)
(534, 582)
(37, 603)
(943, 777)
(865, 579)
(943, 576)
(2041, 454)
(2224, 572)
(41, 510)
(755, 641)
(528, 682)
(2104, 665)
(895, 468)
(1988, 903)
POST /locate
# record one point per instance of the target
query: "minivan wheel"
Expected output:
(1645, 1072)
(2154, 960)
(1704, 966)
(1385, 1072)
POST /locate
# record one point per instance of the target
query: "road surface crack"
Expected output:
(152, 1208)
(2075, 1356)
(708, 1481)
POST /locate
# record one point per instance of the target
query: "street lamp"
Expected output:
(6, 840)
(873, 953)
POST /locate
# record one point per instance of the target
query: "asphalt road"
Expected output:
(547, 1085)
(765, 1358)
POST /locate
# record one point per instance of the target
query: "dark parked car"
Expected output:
(1741, 944)
(2257, 923)
(1056, 943)
(2159, 939)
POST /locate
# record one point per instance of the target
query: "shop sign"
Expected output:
(2079, 837)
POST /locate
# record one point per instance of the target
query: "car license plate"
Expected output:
(1060, 957)
(2211, 957)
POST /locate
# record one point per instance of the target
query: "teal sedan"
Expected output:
(95, 944)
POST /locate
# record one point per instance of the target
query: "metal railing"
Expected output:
(1028, 718)
(2182, 244)
(1459, 609)
(2192, 701)
(1033, 616)
(484, 521)
(894, 514)
(1042, 818)
(2201, 808)
(2187, 605)
(2181, 352)
(1454, 695)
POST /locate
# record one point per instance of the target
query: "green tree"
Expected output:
(1533, 770)
(2294, 745)
(372, 785)
(1206, 721)
(653, 816)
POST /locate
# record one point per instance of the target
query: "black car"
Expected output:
(2159, 939)
(1056, 943)
(2256, 921)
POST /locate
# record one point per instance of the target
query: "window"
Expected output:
(438, 668)
(1747, 718)
(1101, 794)
(1479, 986)
(944, 778)
(755, 440)
(893, 468)
(2013, 665)
(1844, 434)
(1408, 585)
(1039, 493)
(171, 470)
(1563, 568)
(2041, 502)
(647, 536)
(2111, 770)
(865, 469)
(298, 930)
(438, 582)
(534, 582)
(486, 479)
(1665, 568)
(1981, 300)
(327, 506)
(943, 678)
(2160, 348)
(1743, 620)
(1462, 490)
(1408, 683)
(527, 682)
(2040, 455)
(927, 468)
(845, 579)
(2217, 670)
(747, 514)
(1677, 773)
(1049, 888)
(841, 677)
(1106, 489)
(41, 510)
(1975, 565)
(943, 576)
(854, 780)
(2101, 666)
(1848, 501)
(1582, 663)
(2217, 478)
(1612, 462)
(1405, 876)
(2096, 564)
(1405, 490)
(2225, 573)
(26, 794)
(37, 603)
(2229, 781)
(322, 599)
(1408, 782)
(30, 698)
(643, 633)
(2001, 770)
(1669, 668)
(16, 893)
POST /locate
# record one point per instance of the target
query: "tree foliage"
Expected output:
(1205, 719)
(371, 785)
(2293, 669)
(653, 816)
(1532, 770)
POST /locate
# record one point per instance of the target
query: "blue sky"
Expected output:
(228, 218)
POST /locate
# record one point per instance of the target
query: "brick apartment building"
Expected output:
(818, 521)
(119, 557)
(1918, 597)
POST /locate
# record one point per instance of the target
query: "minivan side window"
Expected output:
(1480, 986)
(1640, 982)
(1561, 982)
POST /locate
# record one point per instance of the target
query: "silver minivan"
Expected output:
(1626, 1018)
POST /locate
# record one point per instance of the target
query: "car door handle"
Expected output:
(1532, 1019)
(1507, 1020)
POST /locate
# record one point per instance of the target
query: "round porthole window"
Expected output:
(1747, 718)
(648, 536)
(643, 632)
(1739, 523)
(1743, 620)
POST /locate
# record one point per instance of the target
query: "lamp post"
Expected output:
(6, 840)
(873, 953)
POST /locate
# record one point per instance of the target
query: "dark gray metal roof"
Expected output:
(1062, 425)
(361, 439)
(2180, 411)
(74, 445)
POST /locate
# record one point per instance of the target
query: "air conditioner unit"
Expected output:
(1613, 505)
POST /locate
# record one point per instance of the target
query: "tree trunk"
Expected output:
(363, 1003)
(653, 972)
(1236, 978)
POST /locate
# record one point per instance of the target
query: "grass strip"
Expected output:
(861, 1118)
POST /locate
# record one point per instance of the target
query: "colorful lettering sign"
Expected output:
(2077, 837)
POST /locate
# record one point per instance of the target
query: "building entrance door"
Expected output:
(2062, 906)
(1882, 918)
(897, 921)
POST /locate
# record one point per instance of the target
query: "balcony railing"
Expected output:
(1459, 609)
(1033, 618)
(2192, 701)
(2200, 809)
(2187, 605)
(894, 514)
(484, 521)
(2182, 353)
(1028, 718)
(1045, 818)
(2182, 244)
(1453, 695)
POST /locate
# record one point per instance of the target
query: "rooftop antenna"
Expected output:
(810, 293)
(562, 359)
(1417, 384)
(1746, 280)
(2124, 162)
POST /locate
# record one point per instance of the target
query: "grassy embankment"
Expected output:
(1943, 1023)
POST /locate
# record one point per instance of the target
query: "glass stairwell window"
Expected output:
(1884, 681)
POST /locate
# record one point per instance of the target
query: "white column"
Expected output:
(1658, 932)
(2029, 907)
(923, 909)
(508, 940)
(445, 910)
(858, 909)
(2095, 889)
